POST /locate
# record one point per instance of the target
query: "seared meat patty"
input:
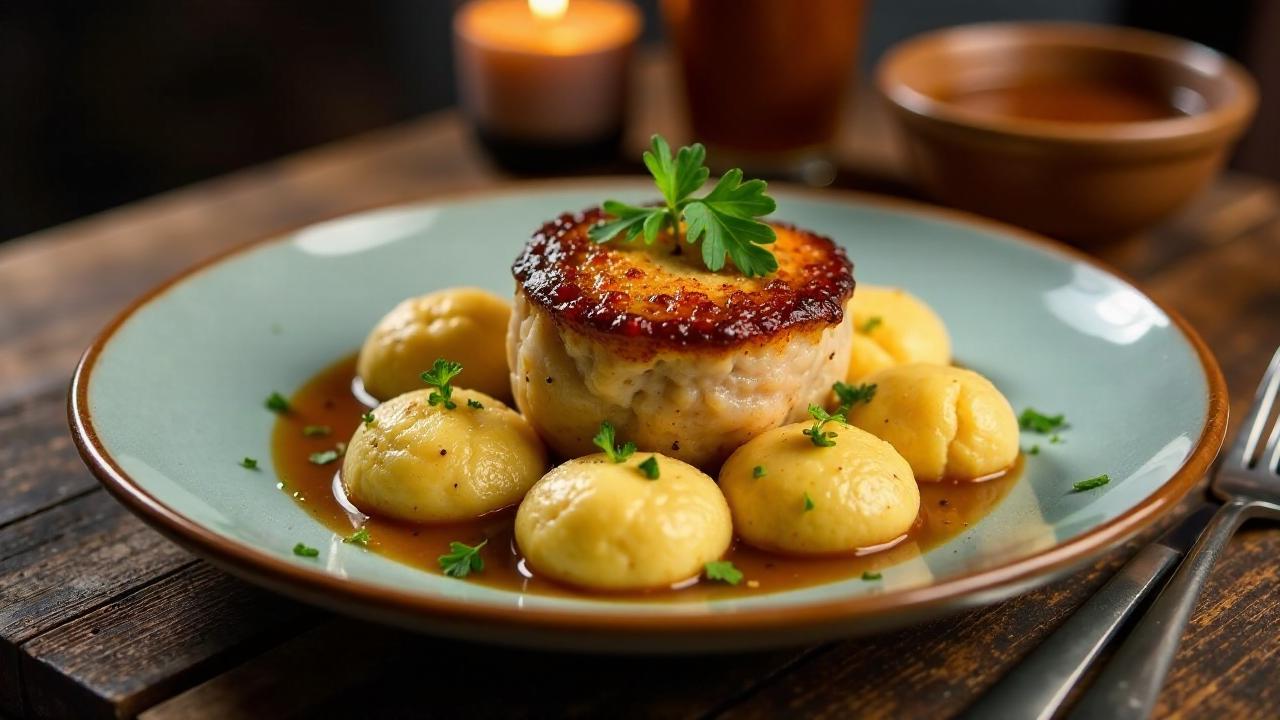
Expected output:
(678, 358)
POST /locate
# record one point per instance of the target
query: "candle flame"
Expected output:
(548, 9)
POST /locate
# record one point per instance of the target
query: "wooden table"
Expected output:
(100, 616)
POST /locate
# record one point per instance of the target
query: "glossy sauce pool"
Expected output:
(1077, 101)
(946, 509)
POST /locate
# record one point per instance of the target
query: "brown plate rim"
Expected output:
(316, 584)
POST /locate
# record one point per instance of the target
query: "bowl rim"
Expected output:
(316, 585)
(1210, 127)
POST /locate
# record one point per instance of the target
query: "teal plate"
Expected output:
(170, 396)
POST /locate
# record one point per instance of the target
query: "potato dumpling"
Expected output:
(598, 524)
(893, 327)
(463, 324)
(425, 463)
(947, 422)
(789, 495)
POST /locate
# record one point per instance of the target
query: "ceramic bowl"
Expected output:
(1087, 183)
(169, 398)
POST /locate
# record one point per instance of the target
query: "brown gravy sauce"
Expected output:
(1077, 101)
(946, 509)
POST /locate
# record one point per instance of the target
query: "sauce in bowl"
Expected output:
(328, 400)
(1075, 101)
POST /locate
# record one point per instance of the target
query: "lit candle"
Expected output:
(546, 80)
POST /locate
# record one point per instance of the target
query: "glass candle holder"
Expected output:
(545, 82)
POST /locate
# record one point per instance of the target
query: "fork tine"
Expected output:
(1251, 429)
(1271, 455)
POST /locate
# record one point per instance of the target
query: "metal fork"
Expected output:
(1249, 484)
(1128, 687)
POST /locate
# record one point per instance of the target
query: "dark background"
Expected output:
(104, 103)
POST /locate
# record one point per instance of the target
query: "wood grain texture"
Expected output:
(38, 462)
(152, 643)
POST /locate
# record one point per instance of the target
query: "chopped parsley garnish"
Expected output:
(724, 220)
(808, 501)
(1038, 422)
(316, 430)
(650, 467)
(851, 395)
(757, 472)
(277, 403)
(359, 537)
(724, 571)
(368, 418)
(249, 463)
(1056, 439)
(440, 376)
(820, 437)
(606, 441)
(302, 550)
(475, 405)
(462, 559)
(1093, 482)
(868, 575)
(323, 458)
(1035, 450)
(872, 323)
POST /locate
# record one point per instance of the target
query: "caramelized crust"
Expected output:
(663, 293)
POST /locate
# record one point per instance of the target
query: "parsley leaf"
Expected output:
(440, 376)
(650, 467)
(302, 550)
(869, 575)
(820, 437)
(323, 458)
(316, 430)
(1093, 482)
(872, 323)
(359, 537)
(757, 472)
(606, 441)
(851, 395)
(462, 559)
(808, 501)
(475, 405)
(724, 571)
(368, 418)
(277, 403)
(1035, 450)
(249, 463)
(1035, 421)
(724, 220)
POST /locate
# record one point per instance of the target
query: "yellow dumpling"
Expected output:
(603, 525)
(425, 463)
(893, 327)
(947, 422)
(466, 325)
(789, 495)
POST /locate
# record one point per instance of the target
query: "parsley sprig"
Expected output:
(820, 437)
(462, 559)
(441, 376)
(1036, 421)
(723, 220)
(851, 395)
(606, 441)
(724, 571)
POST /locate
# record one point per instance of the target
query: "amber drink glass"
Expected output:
(766, 80)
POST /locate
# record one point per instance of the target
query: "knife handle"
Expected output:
(1037, 686)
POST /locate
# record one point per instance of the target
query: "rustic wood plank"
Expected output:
(150, 644)
(39, 466)
(353, 669)
(66, 561)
